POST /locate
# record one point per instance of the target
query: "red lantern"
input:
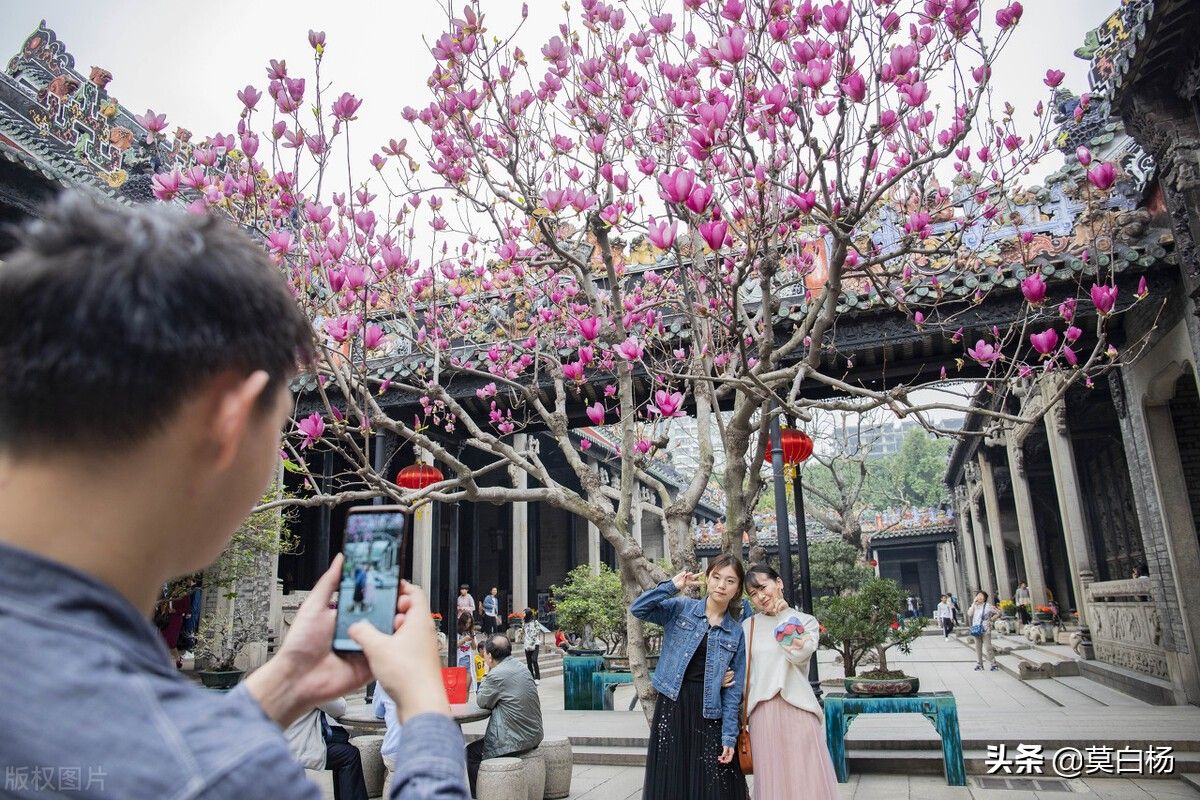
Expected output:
(418, 476)
(796, 444)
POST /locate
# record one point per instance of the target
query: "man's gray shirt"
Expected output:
(93, 708)
(516, 722)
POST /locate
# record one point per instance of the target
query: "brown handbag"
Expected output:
(744, 756)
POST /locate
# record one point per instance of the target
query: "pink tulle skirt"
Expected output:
(791, 759)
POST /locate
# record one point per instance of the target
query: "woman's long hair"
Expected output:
(726, 560)
(465, 623)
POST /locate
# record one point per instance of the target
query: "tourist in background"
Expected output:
(979, 616)
(490, 611)
(515, 725)
(945, 616)
(465, 604)
(695, 727)
(533, 645)
(787, 724)
(1023, 600)
(466, 646)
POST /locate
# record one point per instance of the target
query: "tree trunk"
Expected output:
(636, 649)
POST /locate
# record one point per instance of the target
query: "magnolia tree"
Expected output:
(651, 212)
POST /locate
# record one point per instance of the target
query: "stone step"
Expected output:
(609, 756)
(1101, 693)
(1062, 695)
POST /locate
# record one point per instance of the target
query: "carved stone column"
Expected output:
(1070, 505)
(422, 540)
(520, 533)
(991, 502)
(1031, 550)
(983, 564)
(963, 508)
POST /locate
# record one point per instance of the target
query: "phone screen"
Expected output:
(373, 550)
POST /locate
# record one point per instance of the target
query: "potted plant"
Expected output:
(242, 568)
(1008, 609)
(1043, 614)
(593, 606)
(867, 621)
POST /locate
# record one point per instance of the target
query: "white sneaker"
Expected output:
(188, 656)
(537, 682)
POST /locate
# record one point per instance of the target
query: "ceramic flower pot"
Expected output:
(881, 687)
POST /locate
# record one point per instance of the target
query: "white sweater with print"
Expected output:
(776, 669)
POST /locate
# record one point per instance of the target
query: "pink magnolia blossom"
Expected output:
(585, 444)
(153, 123)
(316, 40)
(714, 232)
(1034, 288)
(166, 185)
(313, 427)
(669, 404)
(346, 106)
(1045, 342)
(1072, 333)
(1142, 289)
(595, 413)
(854, 86)
(903, 58)
(589, 328)
(1104, 297)
(1070, 356)
(661, 234)
(630, 349)
(677, 185)
(573, 371)
(644, 446)
(1009, 15)
(732, 48)
(1054, 77)
(249, 97)
(983, 353)
(1102, 176)
(1083, 155)
(373, 336)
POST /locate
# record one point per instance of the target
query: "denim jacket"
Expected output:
(684, 625)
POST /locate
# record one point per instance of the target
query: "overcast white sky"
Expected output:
(188, 61)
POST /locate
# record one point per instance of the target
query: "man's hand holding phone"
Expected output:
(305, 672)
(407, 662)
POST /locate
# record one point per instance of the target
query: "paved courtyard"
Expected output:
(994, 708)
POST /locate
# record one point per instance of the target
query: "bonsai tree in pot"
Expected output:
(243, 572)
(865, 622)
(593, 606)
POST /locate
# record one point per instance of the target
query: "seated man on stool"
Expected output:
(515, 726)
(317, 744)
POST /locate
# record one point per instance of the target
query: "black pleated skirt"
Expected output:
(682, 760)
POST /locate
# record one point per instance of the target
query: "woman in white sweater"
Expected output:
(787, 725)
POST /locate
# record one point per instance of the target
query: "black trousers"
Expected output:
(947, 625)
(531, 661)
(489, 624)
(343, 758)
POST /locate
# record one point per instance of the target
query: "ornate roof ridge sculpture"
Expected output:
(66, 126)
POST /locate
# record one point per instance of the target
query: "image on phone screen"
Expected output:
(370, 572)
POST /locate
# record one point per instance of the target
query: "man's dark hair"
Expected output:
(499, 647)
(111, 316)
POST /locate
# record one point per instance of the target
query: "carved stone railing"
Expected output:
(1126, 626)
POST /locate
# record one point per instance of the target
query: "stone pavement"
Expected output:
(994, 708)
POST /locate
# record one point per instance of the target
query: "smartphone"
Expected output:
(374, 550)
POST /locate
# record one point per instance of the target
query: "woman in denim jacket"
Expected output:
(695, 725)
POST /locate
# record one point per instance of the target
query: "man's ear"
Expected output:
(235, 407)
